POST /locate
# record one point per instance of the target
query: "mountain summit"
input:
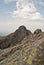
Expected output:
(38, 31)
(15, 37)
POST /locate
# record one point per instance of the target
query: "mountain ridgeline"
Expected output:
(15, 37)
(22, 47)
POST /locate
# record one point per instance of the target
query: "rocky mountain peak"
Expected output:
(22, 27)
(15, 38)
(22, 32)
(37, 31)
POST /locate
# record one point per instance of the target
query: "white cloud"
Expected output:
(36, 15)
(41, 2)
(25, 14)
(26, 9)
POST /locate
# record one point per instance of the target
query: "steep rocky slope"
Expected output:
(29, 51)
(15, 37)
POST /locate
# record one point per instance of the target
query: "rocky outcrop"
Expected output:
(15, 37)
(37, 31)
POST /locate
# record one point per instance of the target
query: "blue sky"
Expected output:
(5, 8)
(14, 13)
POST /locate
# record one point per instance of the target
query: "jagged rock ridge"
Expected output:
(29, 51)
(15, 37)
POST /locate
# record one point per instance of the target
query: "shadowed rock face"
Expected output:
(15, 37)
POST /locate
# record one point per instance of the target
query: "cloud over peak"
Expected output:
(25, 13)
(26, 9)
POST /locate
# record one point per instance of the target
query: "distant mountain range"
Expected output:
(1, 34)
(22, 47)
